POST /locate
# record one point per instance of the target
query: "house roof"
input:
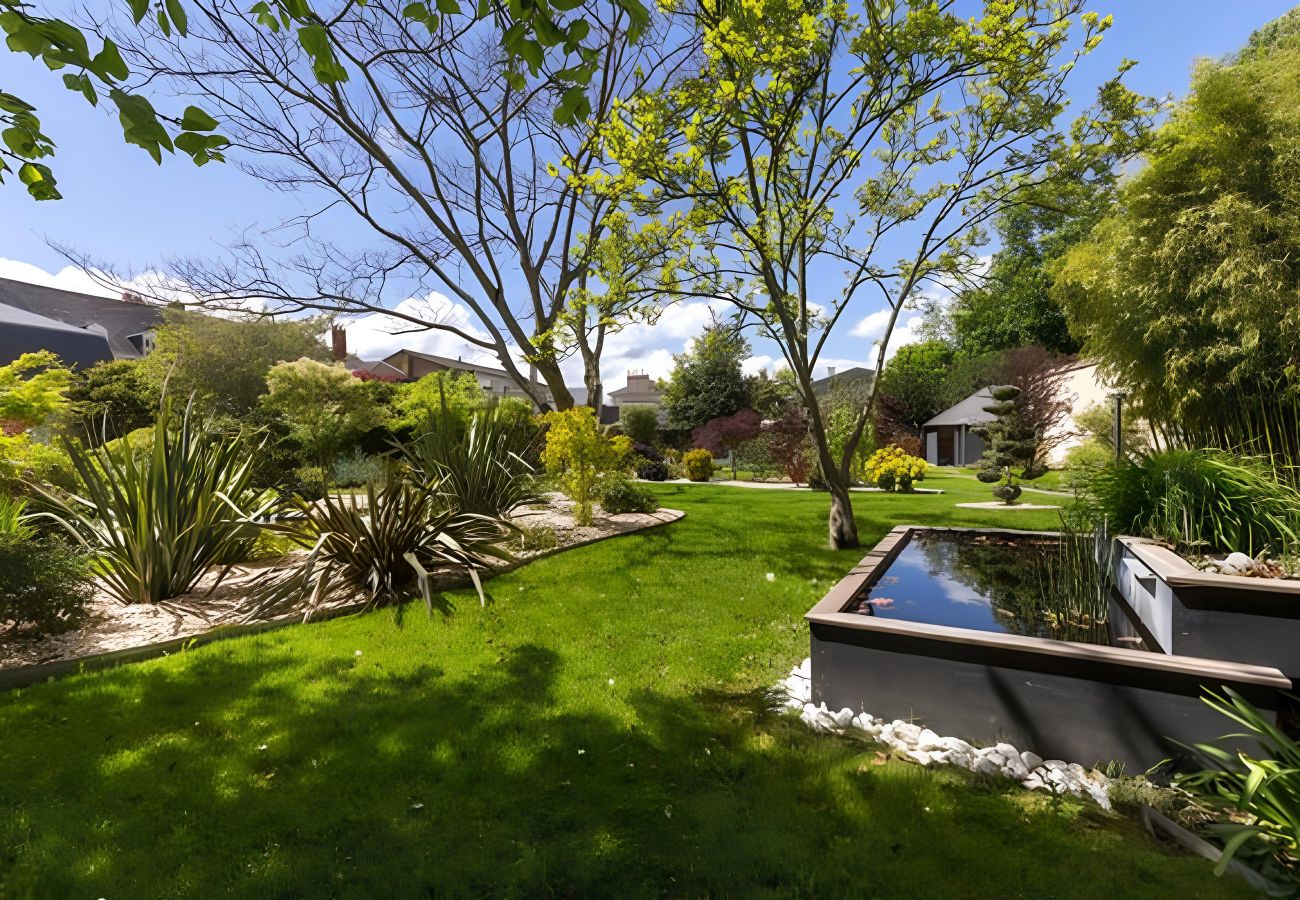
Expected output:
(22, 332)
(354, 363)
(855, 375)
(968, 412)
(450, 363)
(119, 319)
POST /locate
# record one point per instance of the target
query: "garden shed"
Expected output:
(948, 439)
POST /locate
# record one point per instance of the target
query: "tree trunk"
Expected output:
(843, 530)
(591, 378)
(553, 378)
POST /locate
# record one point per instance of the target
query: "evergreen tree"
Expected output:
(1009, 443)
(707, 381)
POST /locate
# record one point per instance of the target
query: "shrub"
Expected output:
(1258, 799)
(536, 538)
(367, 548)
(156, 525)
(44, 582)
(480, 463)
(647, 452)
(356, 468)
(577, 455)
(892, 468)
(1198, 497)
(307, 482)
(653, 471)
(640, 423)
(622, 496)
(757, 457)
(698, 464)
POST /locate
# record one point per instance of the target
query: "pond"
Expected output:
(1047, 587)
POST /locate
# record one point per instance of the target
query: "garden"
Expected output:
(276, 620)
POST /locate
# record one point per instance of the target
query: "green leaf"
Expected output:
(21, 142)
(164, 23)
(195, 119)
(109, 64)
(573, 106)
(416, 12)
(449, 7)
(178, 17)
(265, 17)
(82, 84)
(139, 9)
(39, 181)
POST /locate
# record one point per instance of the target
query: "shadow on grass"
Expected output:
(275, 772)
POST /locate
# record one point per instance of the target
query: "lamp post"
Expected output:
(1117, 426)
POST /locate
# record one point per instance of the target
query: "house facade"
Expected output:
(413, 365)
(640, 390)
(949, 439)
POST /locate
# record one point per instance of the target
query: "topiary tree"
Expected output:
(1009, 443)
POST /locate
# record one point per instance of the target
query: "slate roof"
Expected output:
(118, 318)
(968, 412)
(27, 332)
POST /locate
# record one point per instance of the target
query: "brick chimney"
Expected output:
(339, 339)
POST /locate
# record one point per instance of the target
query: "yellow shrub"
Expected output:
(892, 468)
(698, 464)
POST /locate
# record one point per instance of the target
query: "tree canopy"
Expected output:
(1188, 293)
(707, 382)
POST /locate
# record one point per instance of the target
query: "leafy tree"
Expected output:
(725, 434)
(458, 392)
(323, 405)
(222, 362)
(770, 394)
(707, 381)
(1013, 306)
(33, 390)
(578, 456)
(640, 423)
(529, 34)
(113, 398)
(915, 382)
(809, 139)
(1188, 294)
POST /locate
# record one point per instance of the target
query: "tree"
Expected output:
(1008, 443)
(578, 455)
(707, 381)
(459, 392)
(1013, 305)
(1188, 293)
(323, 405)
(222, 362)
(915, 382)
(725, 434)
(770, 394)
(811, 143)
(33, 394)
(113, 399)
(465, 170)
(529, 34)
(640, 423)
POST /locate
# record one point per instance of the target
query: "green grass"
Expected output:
(1051, 480)
(599, 729)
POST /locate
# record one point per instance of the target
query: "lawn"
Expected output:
(599, 729)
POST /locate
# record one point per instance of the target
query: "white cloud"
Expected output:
(873, 326)
(377, 335)
(756, 364)
(69, 278)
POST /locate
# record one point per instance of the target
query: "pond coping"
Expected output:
(26, 676)
(1117, 665)
(1198, 589)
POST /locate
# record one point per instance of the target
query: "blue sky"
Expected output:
(119, 206)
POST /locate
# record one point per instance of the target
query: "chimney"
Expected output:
(339, 338)
(830, 371)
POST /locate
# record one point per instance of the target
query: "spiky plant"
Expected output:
(481, 464)
(156, 522)
(381, 549)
